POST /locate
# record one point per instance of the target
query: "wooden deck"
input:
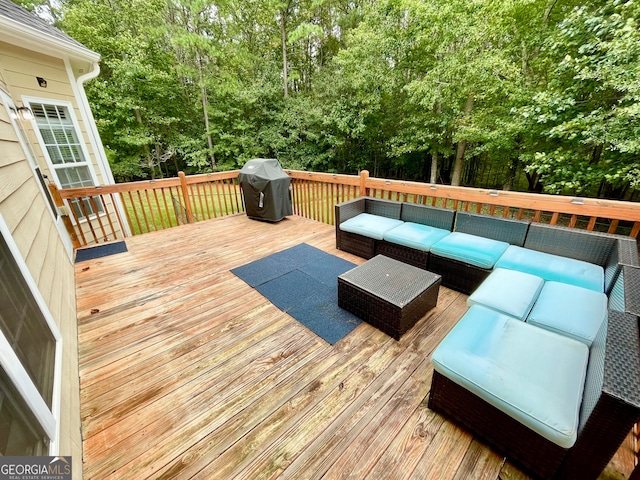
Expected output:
(187, 372)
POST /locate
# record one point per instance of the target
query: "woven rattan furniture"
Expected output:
(366, 247)
(610, 406)
(388, 294)
(357, 244)
(462, 276)
(611, 400)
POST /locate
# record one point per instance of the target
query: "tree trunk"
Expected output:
(462, 146)
(205, 110)
(157, 159)
(147, 150)
(434, 167)
(283, 34)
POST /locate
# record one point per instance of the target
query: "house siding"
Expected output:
(26, 213)
(20, 67)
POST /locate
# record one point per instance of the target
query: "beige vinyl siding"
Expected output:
(26, 213)
(21, 67)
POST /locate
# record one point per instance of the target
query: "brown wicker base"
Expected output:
(459, 276)
(357, 244)
(393, 308)
(417, 258)
(534, 453)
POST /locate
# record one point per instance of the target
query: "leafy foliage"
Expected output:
(525, 94)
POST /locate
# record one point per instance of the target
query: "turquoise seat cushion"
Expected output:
(415, 235)
(508, 291)
(367, 225)
(531, 374)
(474, 250)
(569, 310)
(553, 267)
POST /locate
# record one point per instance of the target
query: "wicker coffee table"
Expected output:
(388, 294)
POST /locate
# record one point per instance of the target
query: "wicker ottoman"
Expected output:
(389, 295)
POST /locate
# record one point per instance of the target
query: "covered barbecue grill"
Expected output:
(265, 189)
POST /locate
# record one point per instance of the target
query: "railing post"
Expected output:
(185, 195)
(364, 175)
(68, 225)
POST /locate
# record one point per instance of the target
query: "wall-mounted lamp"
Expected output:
(578, 201)
(21, 112)
(493, 193)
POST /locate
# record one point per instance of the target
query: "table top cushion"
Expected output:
(472, 249)
(508, 291)
(415, 235)
(372, 226)
(531, 374)
(553, 267)
(569, 310)
(390, 280)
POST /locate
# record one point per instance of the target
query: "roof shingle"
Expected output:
(18, 14)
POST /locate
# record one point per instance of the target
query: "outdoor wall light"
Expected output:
(493, 193)
(578, 201)
(21, 112)
(25, 113)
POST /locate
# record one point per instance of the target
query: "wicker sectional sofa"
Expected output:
(465, 249)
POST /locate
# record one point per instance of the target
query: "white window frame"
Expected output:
(27, 100)
(21, 134)
(48, 419)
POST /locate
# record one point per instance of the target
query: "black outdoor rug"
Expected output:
(100, 251)
(302, 281)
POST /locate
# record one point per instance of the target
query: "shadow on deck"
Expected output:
(187, 372)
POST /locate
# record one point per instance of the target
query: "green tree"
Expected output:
(587, 114)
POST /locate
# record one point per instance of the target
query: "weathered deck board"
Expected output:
(187, 372)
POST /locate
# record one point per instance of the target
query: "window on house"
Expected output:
(20, 432)
(29, 367)
(62, 144)
(21, 322)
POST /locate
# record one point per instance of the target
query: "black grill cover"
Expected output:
(265, 188)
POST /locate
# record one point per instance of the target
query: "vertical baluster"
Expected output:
(117, 212)
(94, 206)
(88, 222)
(159, 208)
(144, 212)
(154, 223)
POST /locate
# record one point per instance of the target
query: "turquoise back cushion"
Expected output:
(553, 267)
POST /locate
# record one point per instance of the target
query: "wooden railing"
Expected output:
(315, 195)
(109, 212)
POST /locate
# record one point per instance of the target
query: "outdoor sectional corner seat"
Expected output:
(545, 364)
